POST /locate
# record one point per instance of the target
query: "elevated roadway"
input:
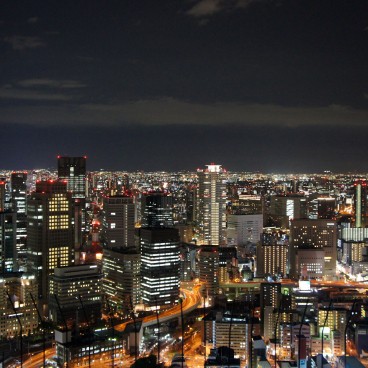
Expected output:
(191, 301)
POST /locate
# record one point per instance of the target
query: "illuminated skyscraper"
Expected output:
(73, 171)
(360, 203)
(290, 207)
(19, 203)
(50, 231)
(118, 222)
(208, 265)
(8, 253)
(160, 266)
(318, 234)
(211, 206)
(272, 255)
(157, 210)
(2, 195)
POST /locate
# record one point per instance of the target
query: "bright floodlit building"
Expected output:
(211, 205)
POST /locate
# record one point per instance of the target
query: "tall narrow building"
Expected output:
(2, 194)
(18, 184)
(50, 232)
(360, 203)
(159, 247)
(211, 206)
(8, 252)
(157, 210)
(118, 222)
(73, 171)
(160, 266)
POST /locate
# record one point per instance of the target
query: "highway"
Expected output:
(191, 301)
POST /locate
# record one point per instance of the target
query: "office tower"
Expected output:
(326, 207)
(77, 287)
(73, 171)
(211, 206)
(218, 324)
(50, 231)
(290, 207)
(248, 204)
(121, 282)
(289, 335)
(243, 229)
(157, 210)
(19, 286)
(188, 254)
(318, 234)
(360, 203)
(160, 269)
(310, 262)
(118, 222)
(2, 195)
(18, 183)
(228, 264)
(8, 251)
(272, 255)
(208, 266)
(335, 327)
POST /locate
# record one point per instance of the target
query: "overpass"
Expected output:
(191, 301)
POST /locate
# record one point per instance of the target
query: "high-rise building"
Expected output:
(50, 231)
(360, 203)
(2, 195)
(318, 234)
(290, 206)
(157, 210)
(208, 266)
(118, 222)
(78, 289)
(19, 203)
(272, 255)
(121, 282)
(73, 171)
(270, 295)
(211, 206)
(8, 251)
(19, 286)
(243, 229)
(160, 266)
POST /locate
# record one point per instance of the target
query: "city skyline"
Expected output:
(265, 85)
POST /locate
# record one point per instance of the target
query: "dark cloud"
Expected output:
(21, 43)
(169, 112)
(267, 82)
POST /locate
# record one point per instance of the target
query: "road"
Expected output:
(191, 301)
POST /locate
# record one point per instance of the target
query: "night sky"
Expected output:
(266, 85)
